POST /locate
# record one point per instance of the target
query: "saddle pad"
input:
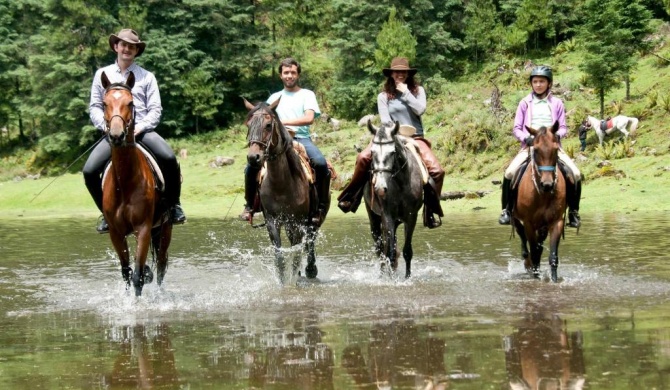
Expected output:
(304, 161)
(412, 146)
(158, 174)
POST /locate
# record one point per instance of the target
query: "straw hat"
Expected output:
(130, 36)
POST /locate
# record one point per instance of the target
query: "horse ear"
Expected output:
(372, 128)
(130, 81)
(275, 103)
(395, 129)
(104, 80)
(554, 128)
(248, 105)
(531, 130)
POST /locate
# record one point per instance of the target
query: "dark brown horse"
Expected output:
(394, 194)
(130, 200)
(285, 191)
(541, 202)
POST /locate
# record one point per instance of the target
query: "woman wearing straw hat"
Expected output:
(147, 102)
(402, 100)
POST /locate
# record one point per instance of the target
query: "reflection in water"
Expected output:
(542, 355)
(145, 361)
(397, 357)
(288, 353)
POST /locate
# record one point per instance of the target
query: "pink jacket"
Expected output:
(524, 112)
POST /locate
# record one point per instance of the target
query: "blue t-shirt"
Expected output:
(293, 105)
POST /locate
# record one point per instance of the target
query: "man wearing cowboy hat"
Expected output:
(147, 102)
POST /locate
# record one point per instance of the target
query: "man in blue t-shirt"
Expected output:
(297, 110)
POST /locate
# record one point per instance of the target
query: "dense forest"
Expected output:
(208, 53)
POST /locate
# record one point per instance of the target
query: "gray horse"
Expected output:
(394, 193)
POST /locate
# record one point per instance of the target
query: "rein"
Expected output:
(537, 169)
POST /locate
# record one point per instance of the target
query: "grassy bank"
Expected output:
(472, 140)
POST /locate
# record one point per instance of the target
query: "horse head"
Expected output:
(119, 111)
(544, 156)
(387, 152)
(265, 133)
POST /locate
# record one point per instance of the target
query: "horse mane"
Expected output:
(294, 163)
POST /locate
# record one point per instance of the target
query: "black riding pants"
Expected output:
(165, 157)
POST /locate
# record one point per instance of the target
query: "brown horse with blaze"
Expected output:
(130, 201)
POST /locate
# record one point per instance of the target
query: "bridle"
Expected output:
(128, 125)
(255, 136)
(393, 172)
(537, 170)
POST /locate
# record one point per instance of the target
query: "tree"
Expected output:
(394, 40)
(480, 26)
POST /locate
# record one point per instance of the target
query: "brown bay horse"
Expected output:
(131, 203)
(285, 190)
(541, 201)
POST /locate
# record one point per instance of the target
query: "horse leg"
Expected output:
(376, 231)
(161, 242)
(311, 271)
(535, 251)
(143, 242)
(407, 251)
(525, 255)
(554, 240)
(275, 238)
(121, 246)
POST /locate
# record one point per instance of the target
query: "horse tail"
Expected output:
(633, 125)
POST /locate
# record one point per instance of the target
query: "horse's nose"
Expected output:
(254, 159)
(548, 186)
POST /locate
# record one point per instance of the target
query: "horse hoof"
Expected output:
(554, 275)
(311, 271)
(148, 274)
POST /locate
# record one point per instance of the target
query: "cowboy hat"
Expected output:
(130, 36)
(399, 63)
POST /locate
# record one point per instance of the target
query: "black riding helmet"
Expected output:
(542, 70)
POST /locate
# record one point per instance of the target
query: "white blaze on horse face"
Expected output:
(117, 95)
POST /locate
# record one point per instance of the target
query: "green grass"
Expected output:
(473, 144)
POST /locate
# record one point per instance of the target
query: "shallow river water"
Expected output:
(468, 318)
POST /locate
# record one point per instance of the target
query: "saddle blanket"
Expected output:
(158, 174)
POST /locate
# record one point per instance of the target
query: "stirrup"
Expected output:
(102, 227)
(177, 215)
(505, 217)
(574, 219)
(246, 215)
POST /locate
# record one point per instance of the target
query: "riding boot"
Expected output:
(323, 194)
(431, 205)
(574, 194)
(250, 193)
(176, 211)
(94, 186)
(506, 214)
(351, 196)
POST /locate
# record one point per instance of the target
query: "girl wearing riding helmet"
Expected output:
(541, 108)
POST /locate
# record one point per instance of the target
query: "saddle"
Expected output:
(606, 124)
(413, 148)
(567, 172)
(155, 169)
